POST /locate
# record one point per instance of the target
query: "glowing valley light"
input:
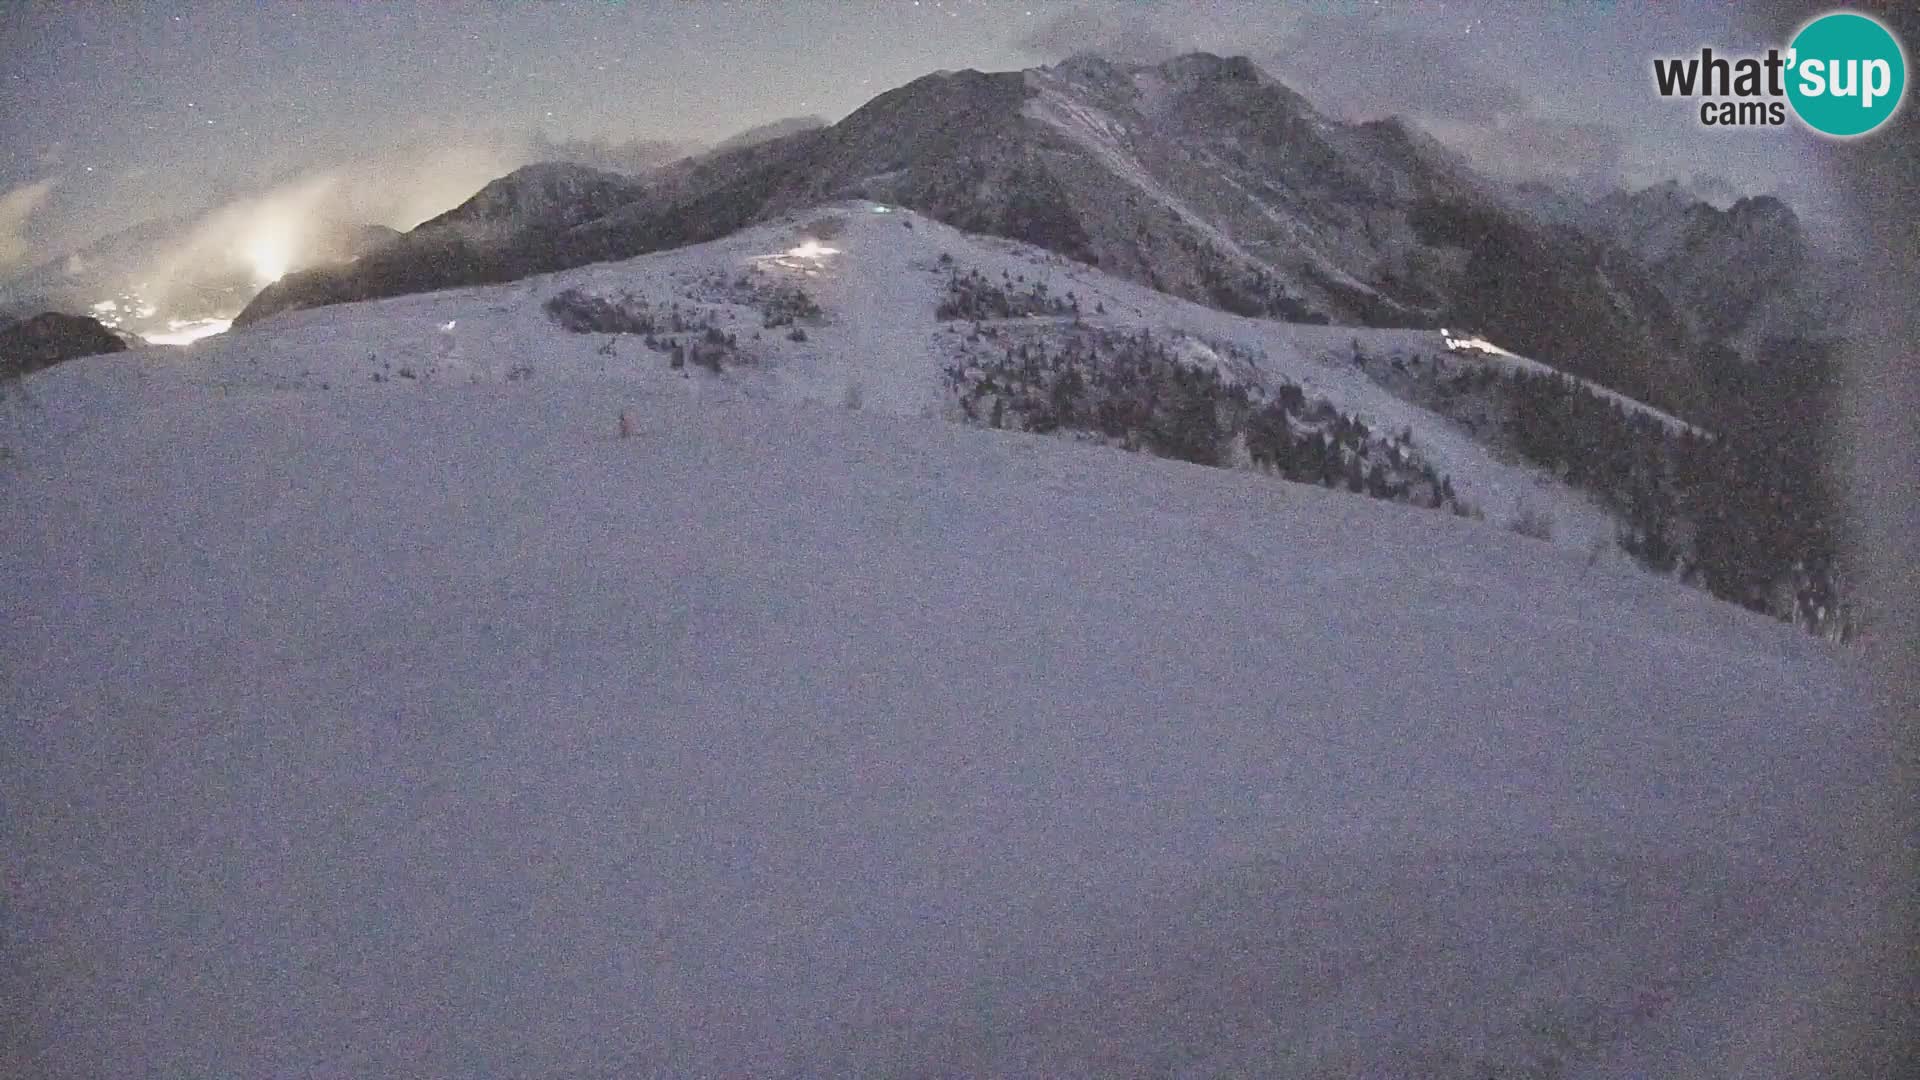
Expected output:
(188, 331)
(812, 249)
(270, 250)
(269, 259)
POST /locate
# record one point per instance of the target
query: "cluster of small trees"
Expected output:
(786, 305)
(1745, 513)
(584, 313)
(1312, 443)
(683, 335)
(713, 349)
(781, 302)
(1253, 293)
(975, 296)
(388, 374)
(1736, 513)
(1135, 392)
(1232, 286)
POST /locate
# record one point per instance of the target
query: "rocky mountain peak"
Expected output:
(1090, 67)
(1763, 212)
(545, 194)
(1205, 67)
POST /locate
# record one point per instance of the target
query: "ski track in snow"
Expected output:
(426, 727)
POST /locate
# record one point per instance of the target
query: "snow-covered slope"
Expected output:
(1481, 350)
(426, 726)
(878, 274)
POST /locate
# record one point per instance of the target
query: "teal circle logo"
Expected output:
(1846, 74)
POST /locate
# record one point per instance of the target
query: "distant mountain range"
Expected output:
(1743, 275)
(636, 157)
(1202, 177)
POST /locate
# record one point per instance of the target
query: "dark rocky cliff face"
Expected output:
(545, 195)
(51, 338)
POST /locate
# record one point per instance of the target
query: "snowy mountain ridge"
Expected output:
(1201, 177)
(1743, 276)
(544, 195)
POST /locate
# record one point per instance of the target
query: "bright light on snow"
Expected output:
(188, 331)
(129, 306)
(806, 257)
(1472, 344)
(448, 325)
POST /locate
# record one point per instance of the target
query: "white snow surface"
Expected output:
(428, 728)
(880, 340)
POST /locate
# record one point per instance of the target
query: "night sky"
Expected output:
(119, 112)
